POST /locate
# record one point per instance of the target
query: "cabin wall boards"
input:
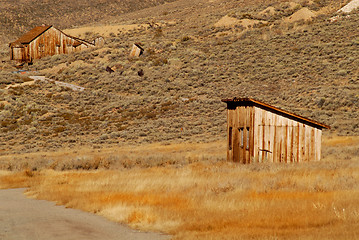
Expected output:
(258, 132)
(45, 40)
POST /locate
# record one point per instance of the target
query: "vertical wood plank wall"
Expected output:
(49, 43)
(240, 121)
(50, 40)
(272, 137)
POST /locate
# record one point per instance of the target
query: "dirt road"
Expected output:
(22, 218)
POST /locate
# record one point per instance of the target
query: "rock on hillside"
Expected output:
(352, 5)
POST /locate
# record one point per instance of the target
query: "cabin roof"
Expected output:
(37, 31)
(253, 102)
(32, 34)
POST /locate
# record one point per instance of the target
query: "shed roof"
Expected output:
(253, 102)
(79, 41)
(32, 34)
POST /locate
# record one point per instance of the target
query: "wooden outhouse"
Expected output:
(45, 40)
(258, 132)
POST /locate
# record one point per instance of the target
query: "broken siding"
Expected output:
(99, 41)
(136, 50)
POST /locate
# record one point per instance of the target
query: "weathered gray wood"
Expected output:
(260, 134)
(291, 142)
(236, 123)
(44, 41)
(251, 137)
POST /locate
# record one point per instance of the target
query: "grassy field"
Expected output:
(129, 156)
(208, 198)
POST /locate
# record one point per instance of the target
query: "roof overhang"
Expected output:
(16, 45)
(233, 103)
(32, 34)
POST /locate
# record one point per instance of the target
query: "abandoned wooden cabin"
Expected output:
(45, 40)
(258, 132)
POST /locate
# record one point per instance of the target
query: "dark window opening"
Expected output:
(243, 131)
(241, 137)
(230, 139)
(247, 138)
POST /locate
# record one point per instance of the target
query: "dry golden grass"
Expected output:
(104, 31)
(213, 200)
(15, 180)
(341, 141)
(127, 156)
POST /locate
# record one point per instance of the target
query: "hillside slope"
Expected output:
(23, 15)
(307, 66)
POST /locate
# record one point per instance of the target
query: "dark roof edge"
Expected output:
(75, 38)
(47, 28)
(139, 46)
(265, 105)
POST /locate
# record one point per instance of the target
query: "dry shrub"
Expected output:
(185, 38)
(28, 173)
(215, 200)
(16, 179)
(207, 66)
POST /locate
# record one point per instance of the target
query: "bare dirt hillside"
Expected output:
(288, 54)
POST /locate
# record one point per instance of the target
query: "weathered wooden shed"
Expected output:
(136, 50)
(45, 40)
(258, 132)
